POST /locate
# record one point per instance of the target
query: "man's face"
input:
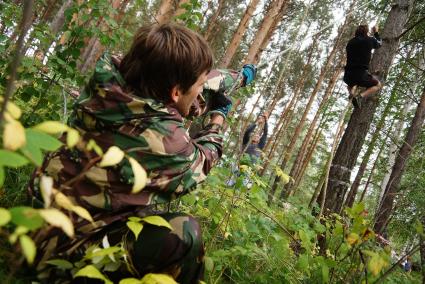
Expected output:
(255, 139)
(185, 101)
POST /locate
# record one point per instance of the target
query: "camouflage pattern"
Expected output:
(147, 130)
(178, 253)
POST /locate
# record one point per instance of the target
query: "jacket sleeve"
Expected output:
(223, 81)
(263, 138)
(377, 42)
(248, 133)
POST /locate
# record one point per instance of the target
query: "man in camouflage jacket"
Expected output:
(123, 106)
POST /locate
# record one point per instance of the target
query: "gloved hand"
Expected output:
(220, 104)
(249, 72)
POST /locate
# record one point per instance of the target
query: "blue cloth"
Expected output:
(249, 72)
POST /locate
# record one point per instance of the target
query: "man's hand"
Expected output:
(374, 29)
(219, 103)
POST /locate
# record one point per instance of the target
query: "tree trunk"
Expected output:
(372, 170)
(237, 36)
(385, 211)
(59, 18)
(213, 20)
(179, 10)
(94, 48)
(306, 142)
(165, 11)
(288, 151)
(286, 111)
(267, 22)
(270, 32)
(349, 201)
(306, 162)
(358, 126)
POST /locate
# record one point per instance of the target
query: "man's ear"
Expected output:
(175, 94)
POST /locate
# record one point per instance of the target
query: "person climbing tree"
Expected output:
(138, 105)
(252, 142)
(359, 53)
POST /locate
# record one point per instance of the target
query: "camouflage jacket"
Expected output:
(150, 132)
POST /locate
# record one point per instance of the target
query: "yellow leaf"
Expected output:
(376, 264)
(140, 176)
(51, 127)
(283, 176)
(152, 278)
(5, 216)
(135, 227)
(14, 110)
(63, 201)
(64, 38)
(57, 219)
(157, 221)
(46, 186)
(82, 212)
(113, 156)
(130, 281)
(28, 248)
(14, 135)
(72, 137)
(93, 146)
(91, 271)
(352, 238)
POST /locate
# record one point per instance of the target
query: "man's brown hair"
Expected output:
(162, 57)
(362, 30)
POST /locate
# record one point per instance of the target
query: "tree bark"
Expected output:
(288, 151)
(213, 20)
(59, 18)
(266, 24)
(358, 126)
(385, 211)
(165, 11)
(299, 158)
(349, 201)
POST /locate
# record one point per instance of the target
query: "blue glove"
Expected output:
(249, 72)
(221, 104)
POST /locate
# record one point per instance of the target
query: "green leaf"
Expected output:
(152, 278)
(36, 141)
(12, 159)
(5, 216)
(135, 227)
(28, 248)
(91, 271)
(130, 281)
(1, 176)
(157, 221)
(135, 219)
(325, 273)
(209, 263)
(60, 263)
(103, 252)
(27, 217)
(43, 140)
(376, 264)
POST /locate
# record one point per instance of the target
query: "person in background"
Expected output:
(255, 137)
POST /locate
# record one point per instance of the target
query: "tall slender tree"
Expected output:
(361, 118)
(384, 212)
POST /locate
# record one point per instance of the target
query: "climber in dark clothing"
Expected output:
(252, 143)
(359, 53)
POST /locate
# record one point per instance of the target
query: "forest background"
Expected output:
(335, 183)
